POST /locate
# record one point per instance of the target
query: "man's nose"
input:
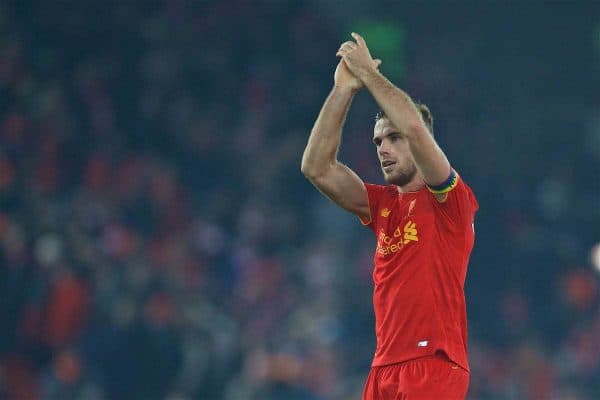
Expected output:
(383, 149)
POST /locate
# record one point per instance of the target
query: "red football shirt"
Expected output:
(423, 249)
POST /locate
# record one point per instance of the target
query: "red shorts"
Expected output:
(426, 378)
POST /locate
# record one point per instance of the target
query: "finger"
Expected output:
(347, 49)
(344, 48)
(359, 39)
(345, 58)
(348, 45)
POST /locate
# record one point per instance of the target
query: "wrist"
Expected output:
(367, 76)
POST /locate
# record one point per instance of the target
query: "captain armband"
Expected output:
(445, 186)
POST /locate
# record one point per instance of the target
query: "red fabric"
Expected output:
(426, 378)
(423, 249)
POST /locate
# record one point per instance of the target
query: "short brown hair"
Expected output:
(425, 114)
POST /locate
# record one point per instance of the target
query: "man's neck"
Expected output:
(417, 183)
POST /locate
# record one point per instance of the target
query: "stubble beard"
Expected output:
(401, 177)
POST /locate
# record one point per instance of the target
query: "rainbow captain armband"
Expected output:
(445, 186)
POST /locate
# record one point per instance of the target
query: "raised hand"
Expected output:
(345, 79)
(357, 57)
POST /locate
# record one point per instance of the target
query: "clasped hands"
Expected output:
(356, 64)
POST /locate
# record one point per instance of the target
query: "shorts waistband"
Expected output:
(439, 354)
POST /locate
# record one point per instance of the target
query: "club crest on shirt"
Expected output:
(385, 213)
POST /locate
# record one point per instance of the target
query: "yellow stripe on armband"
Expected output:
(445, 186)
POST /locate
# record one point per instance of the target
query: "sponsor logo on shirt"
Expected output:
(401, 237)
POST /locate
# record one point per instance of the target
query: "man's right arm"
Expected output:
(319, 162)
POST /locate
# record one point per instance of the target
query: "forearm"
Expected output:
(325, 138)
(400, 109)
(395, 103)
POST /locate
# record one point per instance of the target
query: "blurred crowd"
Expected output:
(157, 239)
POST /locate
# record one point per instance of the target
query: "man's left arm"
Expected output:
(402, 113)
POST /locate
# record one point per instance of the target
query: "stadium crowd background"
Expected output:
(157, 240)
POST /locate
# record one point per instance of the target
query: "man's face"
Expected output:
(394, 154)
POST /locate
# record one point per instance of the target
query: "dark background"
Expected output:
(158, 241)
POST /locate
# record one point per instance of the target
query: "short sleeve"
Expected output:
(459, 208)
(375, 194)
